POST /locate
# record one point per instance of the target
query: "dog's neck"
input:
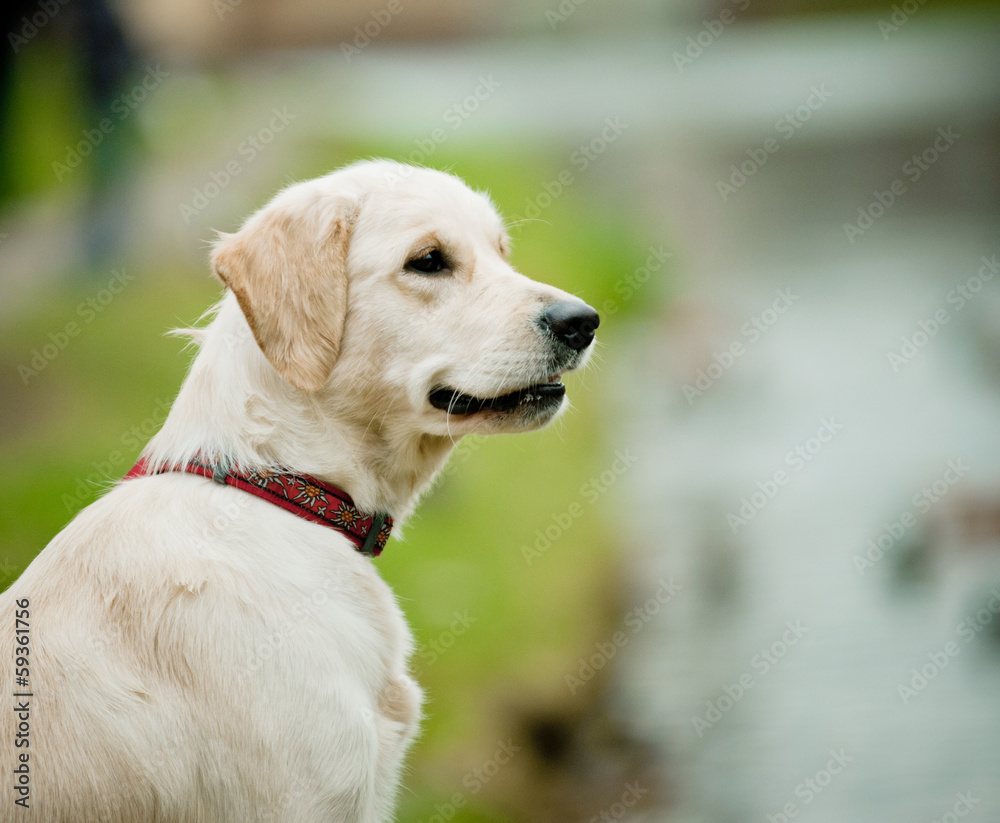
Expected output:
(234, 404)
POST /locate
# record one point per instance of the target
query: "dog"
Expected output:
(210, 640)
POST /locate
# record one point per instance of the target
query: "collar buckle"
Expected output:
(378, 521)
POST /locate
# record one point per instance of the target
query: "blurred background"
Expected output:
(754, 573)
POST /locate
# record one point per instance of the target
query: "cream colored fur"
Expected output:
(198, 654)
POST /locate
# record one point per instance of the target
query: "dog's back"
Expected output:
(197, 653)
(179, 669)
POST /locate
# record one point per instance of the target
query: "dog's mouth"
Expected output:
(535, 397)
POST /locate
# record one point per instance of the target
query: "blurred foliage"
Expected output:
(45, 114)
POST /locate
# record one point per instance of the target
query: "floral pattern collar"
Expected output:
(300, 494)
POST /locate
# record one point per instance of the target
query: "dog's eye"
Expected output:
(430, 263)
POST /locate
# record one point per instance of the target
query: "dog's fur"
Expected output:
(198, 654)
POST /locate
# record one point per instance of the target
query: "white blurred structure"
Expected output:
(815, 388)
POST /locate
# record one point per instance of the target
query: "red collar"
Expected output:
(300, 494)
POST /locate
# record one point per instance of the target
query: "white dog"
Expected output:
(188, 649)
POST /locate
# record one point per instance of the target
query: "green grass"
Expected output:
(70, 428)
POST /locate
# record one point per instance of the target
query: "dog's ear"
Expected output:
(288, 272)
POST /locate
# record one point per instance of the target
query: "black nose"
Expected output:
(573, 322)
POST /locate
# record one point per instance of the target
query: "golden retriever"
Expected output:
(188, 651)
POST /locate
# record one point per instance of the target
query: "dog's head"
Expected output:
(385, 290)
